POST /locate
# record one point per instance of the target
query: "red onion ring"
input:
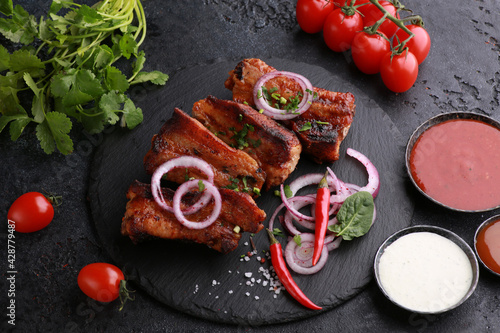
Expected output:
(181, 162)
(300, 258)
(183, 189)
(289, 206)
(331, 243)
(262, 104)
(373, 184)
(312, 179)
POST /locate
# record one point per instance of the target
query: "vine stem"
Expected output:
(398, 22)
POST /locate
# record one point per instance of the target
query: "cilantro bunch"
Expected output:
(65, 65)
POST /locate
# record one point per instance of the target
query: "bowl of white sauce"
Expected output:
(426, 269)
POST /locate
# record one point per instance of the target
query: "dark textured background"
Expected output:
(462, 73)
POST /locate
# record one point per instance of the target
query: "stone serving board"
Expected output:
(204, 283)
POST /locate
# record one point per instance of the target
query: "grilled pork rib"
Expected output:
(144, 218)
(322, 141)
(183, 135)
(275, 148)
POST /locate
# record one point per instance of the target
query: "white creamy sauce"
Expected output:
(425, 272)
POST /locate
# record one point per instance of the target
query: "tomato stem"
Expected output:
(398, 22)
(125, 294)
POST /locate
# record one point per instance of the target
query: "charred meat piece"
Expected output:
(183, 135)
(275, 148)
(330, 115)
(144, 218)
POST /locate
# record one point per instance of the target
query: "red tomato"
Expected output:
(419, 45)
(100, 281)
(399, 73)
(373, 14)
(311, 14)
(31, 212)
(368, 50)
(339, 30)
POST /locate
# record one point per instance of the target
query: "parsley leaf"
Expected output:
(155, 77)
(76, 81)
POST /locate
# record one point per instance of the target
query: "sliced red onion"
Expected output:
(300, 258)
(312, 179)
(181, 162)
(373, 177)
(298, 204)
(186, 187)
(262, 104)
(331, 243)
(289, 206)
(273, 217)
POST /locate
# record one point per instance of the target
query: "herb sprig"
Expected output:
(66, 62)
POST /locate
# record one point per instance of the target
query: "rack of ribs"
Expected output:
(333, 110)
(275, 148)
(144, 218)
(183, 135)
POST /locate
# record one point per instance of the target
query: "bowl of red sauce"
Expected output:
(454, 160)
(487, 244)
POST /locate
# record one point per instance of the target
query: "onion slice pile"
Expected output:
(209, 192)
(299, 258)
(262, 104)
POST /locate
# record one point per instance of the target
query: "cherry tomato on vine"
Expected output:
(373, 14)
(368, 50)
(399, 72)
(311, 14)
(340, 28)
(31, 212)
(419, 44)
(100, 281)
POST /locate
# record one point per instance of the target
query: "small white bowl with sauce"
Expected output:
(426, 269)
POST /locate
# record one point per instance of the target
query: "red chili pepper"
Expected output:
(322, 216)
(284, 275)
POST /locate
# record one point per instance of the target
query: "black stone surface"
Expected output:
(462, 73)
(182, 275)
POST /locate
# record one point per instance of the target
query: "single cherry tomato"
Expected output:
(419, 44)
(373, 14)
(399, 72)
(100, 281)
(340, 28)
(368, 50)
(311, 14)
(31, 212)
(363, 6)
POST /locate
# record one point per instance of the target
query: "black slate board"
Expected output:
(206, 284)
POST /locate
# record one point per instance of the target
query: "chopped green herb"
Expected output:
(288, 191)
(256, 191)
(201, 185)
(305, 127)
(322, 122)
(278, 232)
(297, 239)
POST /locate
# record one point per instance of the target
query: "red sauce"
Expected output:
(488, 245)
(457, 163)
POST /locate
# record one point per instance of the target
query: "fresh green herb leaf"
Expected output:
(305, 127)
(76, 78)
(355, 216)
(115, 80)
(4, 59)
(288, 191)
(132, 115)
(155, 77)
(53, 132)
(24, 61)
(297, 239)
(278, 232)
(128, 45)
(6, 7)
(201, 185)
